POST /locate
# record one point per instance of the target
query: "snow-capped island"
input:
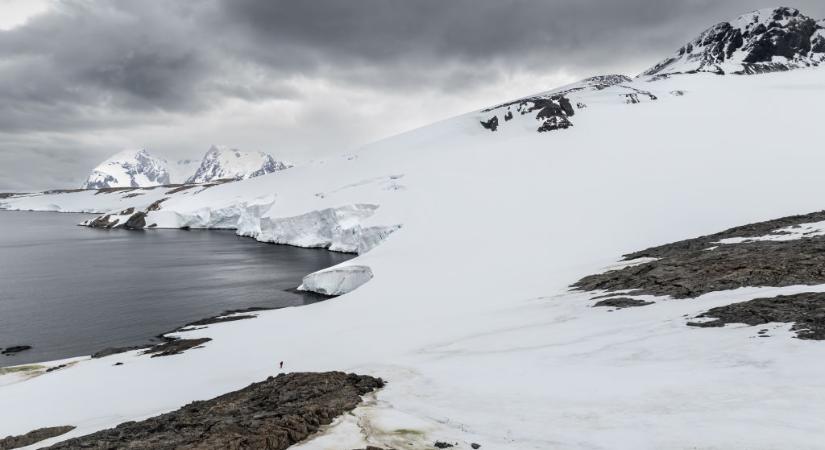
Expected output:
(138, 168)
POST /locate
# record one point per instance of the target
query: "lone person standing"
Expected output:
(282, 364)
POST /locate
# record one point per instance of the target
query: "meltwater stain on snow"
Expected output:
(71, 291)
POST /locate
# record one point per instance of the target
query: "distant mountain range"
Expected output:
(138, 168)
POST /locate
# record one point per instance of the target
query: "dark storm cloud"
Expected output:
(92, 66)
(88, 64)
(420, 35)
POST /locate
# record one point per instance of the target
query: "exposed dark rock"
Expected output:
(273, 414)
(622, 302)
(806, 311)
(15, 349)
(52, 369)
(475, 446)
(181, 188)
(688, 269)
(168, 346)
(601, 82)
(111, 190)
(33, 437)
(555, 123)
(440, 444)
(116, 350)
(227, 316)
(758, 40)
(175, 347)
(747, 231)
(62, 191)
(164, 346)
(104, 221)
(155, 206)
(633, 97)
(127, 211)
(508, 116)
(553, 111)
(137, 221)
(491, 124)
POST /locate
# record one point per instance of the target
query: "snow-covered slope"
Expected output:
(468, 241)
(129, 168)
(182, 169)
(227, 163)
(766, 40)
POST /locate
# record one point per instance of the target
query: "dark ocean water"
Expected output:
(70, 291)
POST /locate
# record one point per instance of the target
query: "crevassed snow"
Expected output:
(338, 229)
(468, 314)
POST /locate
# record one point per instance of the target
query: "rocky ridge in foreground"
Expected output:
(273, 414)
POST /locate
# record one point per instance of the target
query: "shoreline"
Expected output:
(162, 343)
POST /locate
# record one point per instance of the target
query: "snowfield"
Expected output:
(468, 240)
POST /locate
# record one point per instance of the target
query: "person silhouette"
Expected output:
(282, 364)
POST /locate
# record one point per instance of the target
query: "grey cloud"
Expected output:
(92, 68)
(398, 33)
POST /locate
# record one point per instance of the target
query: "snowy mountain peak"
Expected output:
(129, 168)
(766, 40)
(221, 162)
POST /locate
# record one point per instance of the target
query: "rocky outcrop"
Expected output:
(15, 349)
(33, 437)
(767, 40)
(126, 219)
(136, 221)
(621, 302)
(552, 109)
(806, 311)
(273, 414)
(754, 256)
(492, 123)
(554, 112)
(175, 347)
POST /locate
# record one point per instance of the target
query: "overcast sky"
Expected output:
(300, 79)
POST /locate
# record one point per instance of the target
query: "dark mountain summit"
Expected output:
(766, 40)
